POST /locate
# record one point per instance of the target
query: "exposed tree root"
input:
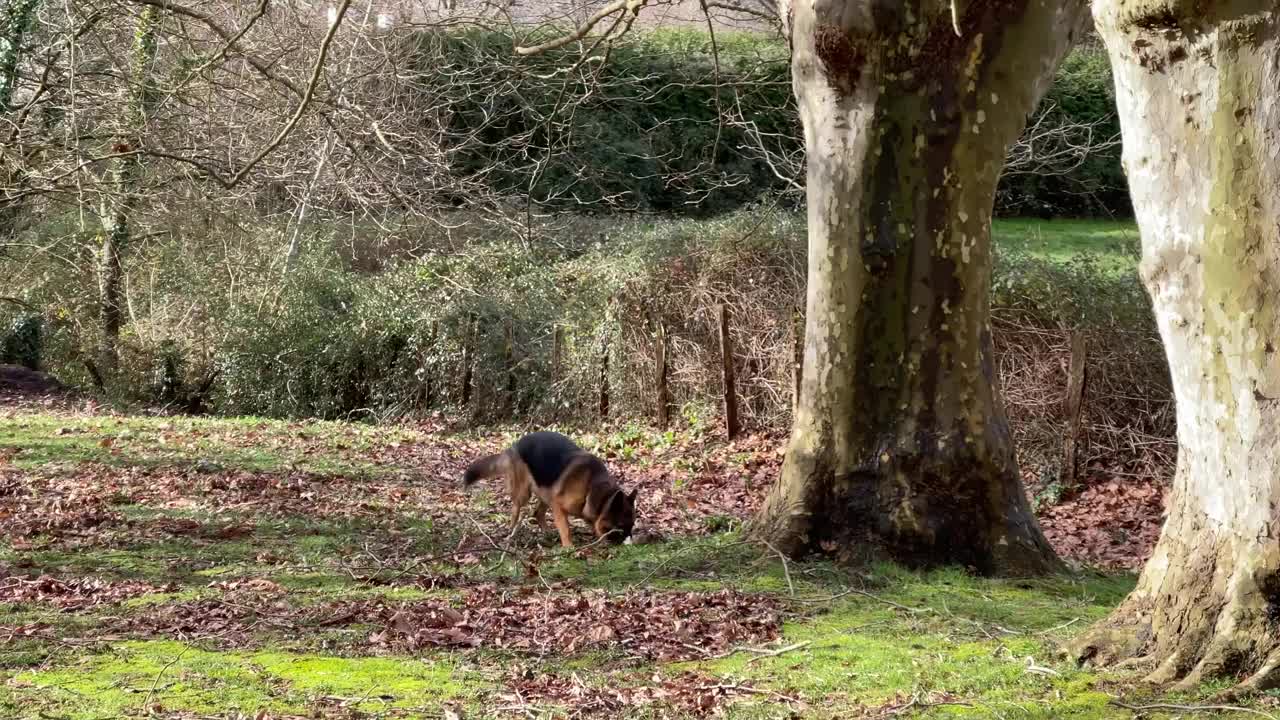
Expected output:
(1205, 608)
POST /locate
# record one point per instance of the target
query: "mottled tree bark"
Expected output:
(1198, 87)
(900, 443)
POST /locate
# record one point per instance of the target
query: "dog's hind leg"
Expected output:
(519, 487)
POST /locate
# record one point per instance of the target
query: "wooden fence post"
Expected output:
(468, 343)
(663, 391)
(1075, 408)
(730, 385)
(509, 359)
(604, 377)
(557, 349)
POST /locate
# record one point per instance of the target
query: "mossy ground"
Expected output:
(865, 642)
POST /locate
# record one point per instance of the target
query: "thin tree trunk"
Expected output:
(1198, 89)
(509, 360)
(429, 366)
(900, 445)
(557, 350)
(20, 19)
(125, 175)
(797, 359)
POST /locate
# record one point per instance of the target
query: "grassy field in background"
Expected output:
(1113, 242)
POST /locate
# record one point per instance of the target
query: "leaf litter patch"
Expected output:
(1113, 525)
(559, 619)
(679, 695)
(72, 593)
(663, 626)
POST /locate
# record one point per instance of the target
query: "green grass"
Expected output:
(864, 641)
(254, 444)
(945, 633)
(1114, 243)
(135, 675)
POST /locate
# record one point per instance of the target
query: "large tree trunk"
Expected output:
(126, 174)
(900, 442)
(1198, 85)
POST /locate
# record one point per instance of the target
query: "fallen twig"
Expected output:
(762, 654)
(891, 603)
(822, 600)
(1032, 667)
(916, 702)
(756, 691)
(1055, 628)
(146, 702)
(668, 560)
(786, 567)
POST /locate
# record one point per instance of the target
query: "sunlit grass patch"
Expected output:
(1113, 242)
(244, 443)
(136, 676)
(989, 644)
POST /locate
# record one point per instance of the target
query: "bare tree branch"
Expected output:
(316, 72)
(629, 8)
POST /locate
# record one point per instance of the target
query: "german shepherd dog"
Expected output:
(563, 477)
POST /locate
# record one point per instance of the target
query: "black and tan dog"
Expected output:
(563, 477)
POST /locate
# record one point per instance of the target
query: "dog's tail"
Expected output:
(486, 467)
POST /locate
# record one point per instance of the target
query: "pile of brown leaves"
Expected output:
(1110, 524)
(70, 594)
(242, 607)
(534, 620)
(652, 625)
(25, 511)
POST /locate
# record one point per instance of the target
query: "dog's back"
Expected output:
(547, 454)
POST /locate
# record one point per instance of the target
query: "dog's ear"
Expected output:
(632, 497)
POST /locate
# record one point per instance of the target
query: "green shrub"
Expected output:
(20, 342)
(1082, 94)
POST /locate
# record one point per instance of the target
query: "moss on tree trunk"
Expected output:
(126, 172)
(900, 444)
(1198, 86)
